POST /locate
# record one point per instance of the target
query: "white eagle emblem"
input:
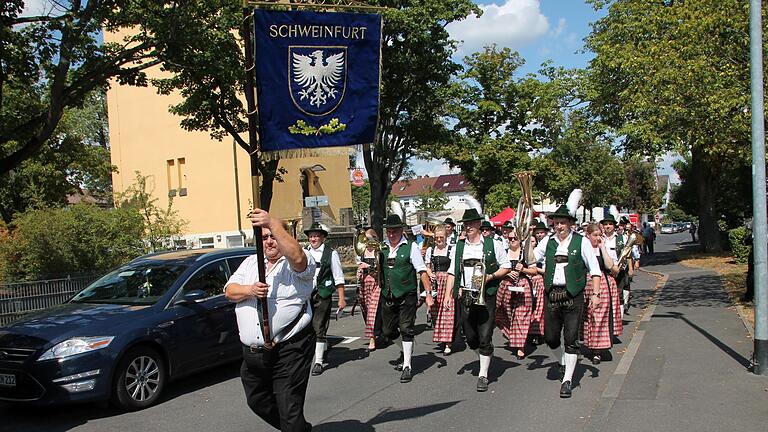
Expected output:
(318, 79)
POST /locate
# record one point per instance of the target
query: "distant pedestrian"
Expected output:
(650, 236)
(692, 230)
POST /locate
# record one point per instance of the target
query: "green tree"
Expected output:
(643, 195)
(432, 200)
(76, 160)
(583, 158)
(416, 69)
(161, 226)
(88, 239)
(674, 76)
(361, 202)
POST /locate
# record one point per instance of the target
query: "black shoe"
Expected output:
(317, 369)
(406, 376)
(565, 390)
(482, 384)
(596, 359)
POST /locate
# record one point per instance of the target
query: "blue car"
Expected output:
(124, 337)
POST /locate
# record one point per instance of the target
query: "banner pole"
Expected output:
(250, 99)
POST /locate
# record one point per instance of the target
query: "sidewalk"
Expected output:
(686, 365)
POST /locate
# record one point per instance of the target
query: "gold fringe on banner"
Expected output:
(307, 152)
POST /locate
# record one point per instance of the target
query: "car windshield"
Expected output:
(133, 284)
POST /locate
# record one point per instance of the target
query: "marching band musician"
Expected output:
(540, 233)
(567, 258)
(477, 321)
(402, 263)
(514, 299)
(599, 319)
(438, 260)
(328, 276)
(369, 287)
(624, 232)
(614, 244)
(451, 237)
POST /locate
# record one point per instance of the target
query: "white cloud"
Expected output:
(512, 25)
(432, 167)
(557, 31)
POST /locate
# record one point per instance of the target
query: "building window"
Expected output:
(402, 188)
(445, 184)
(206, 242)
(182, 176)
(170, 174)
(235, 241)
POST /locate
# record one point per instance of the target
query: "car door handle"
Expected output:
(166, 324)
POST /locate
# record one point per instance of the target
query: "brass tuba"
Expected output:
(524, 214)
(626, 251)
(475, 294)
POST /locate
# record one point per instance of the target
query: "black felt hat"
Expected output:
(449, 221)
(316, 227)
(562, 212)
(541, 226)
(471, 215)
(394, 221)
(610, 218)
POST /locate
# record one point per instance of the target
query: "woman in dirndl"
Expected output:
(600, 312)
(368, 277)
(514, 300)
(438, 260)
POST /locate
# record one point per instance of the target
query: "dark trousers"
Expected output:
(399, 313)
(478, 323)
(321, 316)
(275, 381)
(565, 320)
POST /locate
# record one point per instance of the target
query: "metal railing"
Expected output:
(19, 298)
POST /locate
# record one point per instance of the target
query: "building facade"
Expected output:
(209, 181)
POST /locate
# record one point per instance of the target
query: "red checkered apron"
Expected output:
(596, 328)
(369, 302)
(515, 319)
(443, 323)
(537, 318)
(616, 297)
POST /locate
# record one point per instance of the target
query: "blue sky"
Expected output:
(539, 30)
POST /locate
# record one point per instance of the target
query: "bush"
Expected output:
(739, 239)
(77, 239)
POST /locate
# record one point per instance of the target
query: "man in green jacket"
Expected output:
(477, 321)
(567, 258)
(403, 262)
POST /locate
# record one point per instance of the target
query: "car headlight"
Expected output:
(77, 345)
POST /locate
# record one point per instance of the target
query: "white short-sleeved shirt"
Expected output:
(338, 272)
(475, 251)
(416, 259)
(587, 255)
(288, 291)
(610, 247)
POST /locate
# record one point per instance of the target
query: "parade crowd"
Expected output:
(552, 283)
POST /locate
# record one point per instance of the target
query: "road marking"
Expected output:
(344, 339)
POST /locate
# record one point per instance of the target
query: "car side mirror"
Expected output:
(191, 297)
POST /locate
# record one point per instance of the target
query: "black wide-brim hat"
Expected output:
(610, 218)
(508, 224)
(449, 221)
(624, 220)
(541, 226)
(316, 227)
(486, 224)
(562, 212)
(394, 221)
(471, 215)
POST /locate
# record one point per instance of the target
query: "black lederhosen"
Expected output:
(563, 315)
(478, 323)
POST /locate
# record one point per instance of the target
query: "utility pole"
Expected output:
(759, 226)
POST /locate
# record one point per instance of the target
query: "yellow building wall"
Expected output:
(144, 137)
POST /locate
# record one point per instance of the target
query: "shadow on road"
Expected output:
(385, 416)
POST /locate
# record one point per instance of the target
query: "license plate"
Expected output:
(7, 380)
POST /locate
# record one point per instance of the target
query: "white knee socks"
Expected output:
(407, 353)
(319, 351)
(570, 366)
(485, 362)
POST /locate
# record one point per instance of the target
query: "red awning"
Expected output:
(505, 215)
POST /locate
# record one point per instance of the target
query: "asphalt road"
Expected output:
(362, 392)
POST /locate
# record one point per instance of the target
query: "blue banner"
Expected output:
(317, 79)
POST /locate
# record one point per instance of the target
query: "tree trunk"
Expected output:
(378, 176)
(268, 180)
(704, 178)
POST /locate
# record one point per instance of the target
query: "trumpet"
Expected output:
(475, 294)
(626, 251)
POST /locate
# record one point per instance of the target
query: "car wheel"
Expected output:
(139, 379)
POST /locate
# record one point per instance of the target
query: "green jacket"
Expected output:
(575, 269)
(401, 279)
(491, 265)
(324, 282)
